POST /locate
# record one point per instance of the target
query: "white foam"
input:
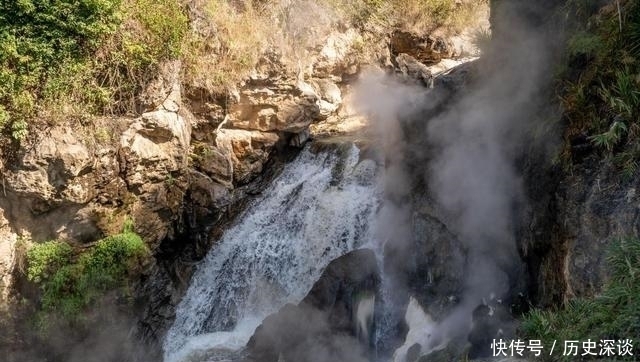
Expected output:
(364, 316)
(421, 329)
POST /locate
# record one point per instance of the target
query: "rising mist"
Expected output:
(468, 155)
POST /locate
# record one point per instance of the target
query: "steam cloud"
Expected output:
(472, 150)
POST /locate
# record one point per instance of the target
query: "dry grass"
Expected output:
(225, 43)
(414, 15)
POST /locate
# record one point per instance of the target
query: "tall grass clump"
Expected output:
(415, 15)
(226, 42)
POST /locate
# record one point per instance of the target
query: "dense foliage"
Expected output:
(64, 60)
(601, 78)
(69, 283)
(613, 315)
(38, 40)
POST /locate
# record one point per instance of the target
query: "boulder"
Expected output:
(248, 151)
(326, 325)
(491, 322)
(439, 261)
(276, 105)
(409, 68)
(329, 97)
(425, 49)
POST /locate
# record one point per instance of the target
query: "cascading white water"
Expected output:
(421, 327)
(319, 208)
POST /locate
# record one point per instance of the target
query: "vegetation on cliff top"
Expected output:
(68, 60)
(613, 315)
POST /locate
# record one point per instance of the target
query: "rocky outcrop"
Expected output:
(327, 323)
(425, 49)
(247, 150)
(439, 264)
(573, 216)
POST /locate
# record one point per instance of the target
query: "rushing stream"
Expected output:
(322, 206)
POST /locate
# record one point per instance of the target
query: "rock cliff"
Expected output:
(190, 161)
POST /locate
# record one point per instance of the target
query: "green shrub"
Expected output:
(71, 284)
(112, 260)
(70, 59)
(615, 314)
(585, 43)
(46, 259)
(36, 39)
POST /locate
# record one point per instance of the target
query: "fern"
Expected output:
(610, 139)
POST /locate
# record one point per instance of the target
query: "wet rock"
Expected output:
(411, 69)
(440, 260)
(324, 324)
(490, 322)
(448, 354)
(299, 139)
(413, 353)
(456, 79)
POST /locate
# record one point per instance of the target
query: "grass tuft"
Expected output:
(613, 315)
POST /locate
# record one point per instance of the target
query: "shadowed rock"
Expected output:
(324, 326)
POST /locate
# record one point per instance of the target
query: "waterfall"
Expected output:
(320, 207)
(421, 327)
(364, 317)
